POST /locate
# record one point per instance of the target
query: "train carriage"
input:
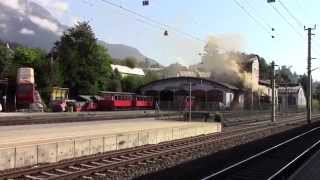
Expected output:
(115, 100)
(143, 102)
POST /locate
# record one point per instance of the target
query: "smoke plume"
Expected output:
(223, 59)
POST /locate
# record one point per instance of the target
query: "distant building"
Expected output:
(194, 73)
(291, 97)
(186, 74)
(127, 71)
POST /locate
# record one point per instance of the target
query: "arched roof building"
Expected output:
(170, 93)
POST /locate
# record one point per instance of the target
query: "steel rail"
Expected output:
(225, 170)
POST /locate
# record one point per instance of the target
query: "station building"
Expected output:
(170, 93)
(291, 97)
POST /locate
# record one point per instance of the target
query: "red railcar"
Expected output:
(115, 100)
(143, 102)
(123, 100)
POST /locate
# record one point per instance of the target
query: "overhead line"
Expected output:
(261, 17)
(252, 17)
(153, 21)
(285, 19)
(291, 14)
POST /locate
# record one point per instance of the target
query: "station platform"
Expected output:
(23, 118)
(310, 170)
(26, 145)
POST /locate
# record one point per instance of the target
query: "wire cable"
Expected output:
(291, 14)
(154, 21)
(255, 20)
(260, 17)
(285, 19)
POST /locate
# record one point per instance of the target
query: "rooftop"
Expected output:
(128, 70)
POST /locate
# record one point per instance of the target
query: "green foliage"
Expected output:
(5, 61)
(264, 69)
(315, 104)
(131, 62)
(132, 83)
(114, 83)
(285, 75)
(150, 76)
(303, 80)
(83, 64)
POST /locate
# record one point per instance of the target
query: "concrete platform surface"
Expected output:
(42, 143)
(40, 133)
(310, 170)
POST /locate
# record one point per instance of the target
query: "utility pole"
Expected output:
(309, 88)
(273, 98)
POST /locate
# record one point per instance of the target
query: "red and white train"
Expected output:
(123, 100)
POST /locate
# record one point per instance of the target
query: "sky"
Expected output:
(225, 20)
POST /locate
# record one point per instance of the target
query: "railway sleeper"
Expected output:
(108, 161)
(87, 177)
(33, 177)
(63, 171)
(87, 166)
(75, 168)
(49, 174)
(100, 174)
(98, 163)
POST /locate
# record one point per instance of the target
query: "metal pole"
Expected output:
(273, 103)
(190, 101)
(309, 89)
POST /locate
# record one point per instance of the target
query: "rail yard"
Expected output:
(159, 90)
(122, 149)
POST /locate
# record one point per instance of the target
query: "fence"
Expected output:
(20, 156)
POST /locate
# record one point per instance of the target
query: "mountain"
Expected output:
(120, 51)
(29, 24)
(32, 25)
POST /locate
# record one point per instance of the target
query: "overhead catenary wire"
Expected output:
(286, 20)
(255, 20)
(153, 21)
(291, 14)
(263, 20)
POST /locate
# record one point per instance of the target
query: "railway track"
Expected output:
(277, 162)
(103, 165)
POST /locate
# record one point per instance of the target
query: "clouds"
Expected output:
(58, 8)
(14, 4)
(45, 23)
(26, 31)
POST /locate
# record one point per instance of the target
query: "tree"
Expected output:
(132, 83)
(303, 80)
(264, 69)
(150, 76)
(131, 62)
(5, 61)
(114, 83)
(84, 65)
